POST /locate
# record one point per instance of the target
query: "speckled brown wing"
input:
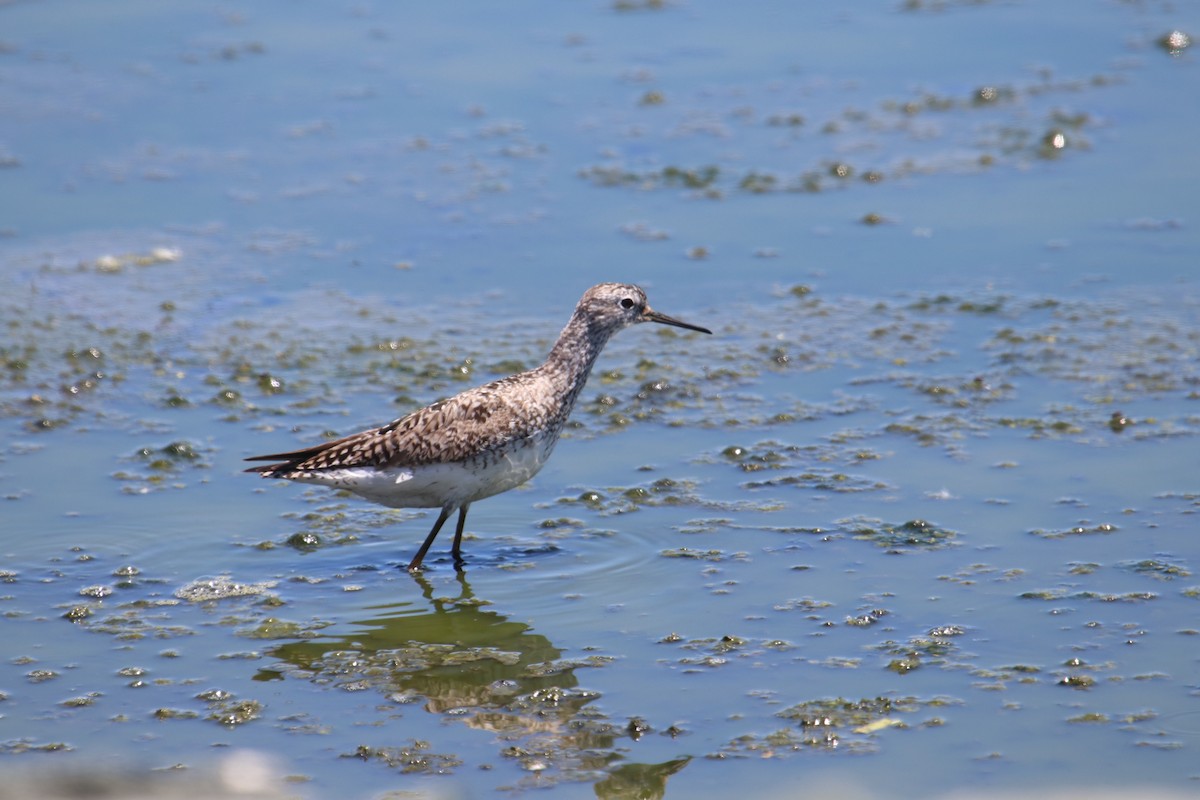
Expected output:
(470, 424)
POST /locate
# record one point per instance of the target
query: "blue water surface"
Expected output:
(920, 516)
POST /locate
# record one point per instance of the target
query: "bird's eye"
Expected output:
(627, 302)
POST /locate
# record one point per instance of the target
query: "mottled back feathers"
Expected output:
(473, 423)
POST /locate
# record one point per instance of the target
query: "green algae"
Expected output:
(913, 534)
(1102, 528)
(207, 590)
(821, 480)
(231, 713)
(699, 555)
(413, 759)
(21, 746)
(1158, 569)
(808, 604)
(273, 628)
(41, 675)
(131, 622)
(832, 724)
(659, 493)
(935, 649)
(902, 666)
(304, 540)
(174, 713)
(1007, 137)
(1105, 597)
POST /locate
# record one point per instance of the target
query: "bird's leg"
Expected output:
(458, 532)
(415, 564)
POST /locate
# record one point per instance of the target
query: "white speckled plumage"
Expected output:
(480, 442)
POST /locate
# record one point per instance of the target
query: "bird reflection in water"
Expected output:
(459, 657)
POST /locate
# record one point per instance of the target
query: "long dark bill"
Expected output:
(650, 315)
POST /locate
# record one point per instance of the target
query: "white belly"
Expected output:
(437, 485)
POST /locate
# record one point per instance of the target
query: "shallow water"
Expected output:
(923, 506)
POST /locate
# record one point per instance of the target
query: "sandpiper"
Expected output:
(477, 443)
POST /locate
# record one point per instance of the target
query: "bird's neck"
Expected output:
(571, 359)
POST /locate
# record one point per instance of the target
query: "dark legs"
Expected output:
(456, 551)
(415, 564)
